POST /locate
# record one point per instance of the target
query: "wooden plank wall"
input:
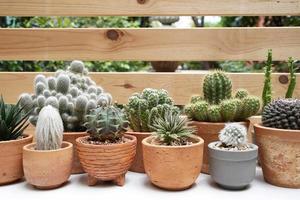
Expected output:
(181, 86)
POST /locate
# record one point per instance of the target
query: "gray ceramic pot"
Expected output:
(232, 169)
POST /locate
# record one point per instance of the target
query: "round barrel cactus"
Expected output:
(71, 91)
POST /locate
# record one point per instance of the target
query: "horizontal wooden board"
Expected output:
(181, 86)
(149, 44)
(148, 7)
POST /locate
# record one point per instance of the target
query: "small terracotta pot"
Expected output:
(47, 169)
(173, 167)
(279, 152)
(71, 137)
(11, 168)
(106, 162)
(138, 163)
(209, 131)
(165, 66)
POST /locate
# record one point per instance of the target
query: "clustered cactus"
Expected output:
(72, 92)
(49, 129)
(143, 108)
(233, 135)
(218, 104)
(171, 129)
(106, 124)
(282, 114)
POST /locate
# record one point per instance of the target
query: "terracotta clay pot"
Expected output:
(279, 152)
(138, 163)
(11, 168)
(47, 169)
(209, 131)
(173, 167)
(106, 162)
(71, 137)
(165, 66)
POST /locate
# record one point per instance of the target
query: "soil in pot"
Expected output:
(209, 131)
(11, 168)
(232, 168)
(138, 163)
(71, 137)
(279, 153)
(47, 169)
(173, 167)
(106, 161)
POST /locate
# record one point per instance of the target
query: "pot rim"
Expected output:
(255, 148)
(74, 132)
(260, 126)
(146, 143)
(131, 137)
(220, 123)
(27, 148)
(139, 133)
(28, 137)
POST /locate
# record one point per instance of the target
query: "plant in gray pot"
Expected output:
(232, 159)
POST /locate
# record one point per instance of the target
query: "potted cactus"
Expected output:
(232, 161)
(74, 94)
(173, 154)
(278, 138)
(13, 122)
(106, 154)
(48, 162)
(142, 109)
(217, 107)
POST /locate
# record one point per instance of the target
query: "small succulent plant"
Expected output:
(106, 124)
(72, 92)
(13, 120)
(172, 129)
(282, 114)
(218, 104)
(49, 129)
(233, 135)
(143, 108)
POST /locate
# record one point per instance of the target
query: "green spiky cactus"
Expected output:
(251, 105)
(71, 91)
(106, 124)
(267, 90)
(228, 110)
(292, 84)
(214, 113)
(216, 87)
(241, 93)
(143, 108)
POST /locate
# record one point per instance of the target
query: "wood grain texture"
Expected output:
(181, 86)
(148, 7)
(149, 44)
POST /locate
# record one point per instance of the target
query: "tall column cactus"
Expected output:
(267, 90)
(71, 91)
(143, 108)
(292, 84)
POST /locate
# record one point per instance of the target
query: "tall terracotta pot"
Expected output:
(209, 131)
(138, 163)
(71, 137)
(279, 152)
(106, 162)
(11, 167)
(173, 167)
(47, 169)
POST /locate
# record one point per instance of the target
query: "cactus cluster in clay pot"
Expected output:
(141, 110)
(219, 105)
(232, 153)
(107, 153)
(74, 94)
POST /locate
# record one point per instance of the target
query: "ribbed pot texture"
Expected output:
(279, 152)
(138, 163)
(71, 137)
(47, 169)
(173, 167)
(106, 162)
(11, 168)
(209, 131)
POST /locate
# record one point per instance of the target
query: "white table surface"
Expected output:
(137, 186)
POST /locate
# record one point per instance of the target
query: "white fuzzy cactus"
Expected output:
(233, 134)
(72, 91)
(49, 129)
